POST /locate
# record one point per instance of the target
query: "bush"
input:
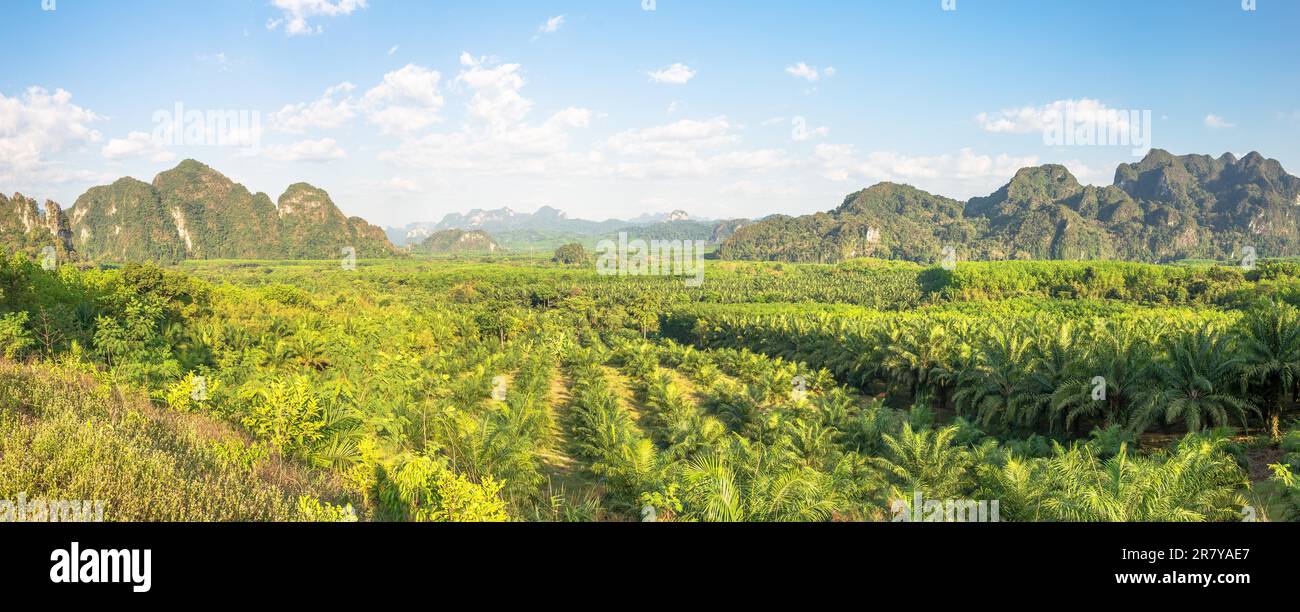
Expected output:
(15, 340)
(571, 254)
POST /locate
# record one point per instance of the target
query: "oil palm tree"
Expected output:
(926, 461)
(1270, 357)
(1194, 384)
(997, 389)
(1121, 356)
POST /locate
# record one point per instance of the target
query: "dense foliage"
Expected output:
(457, 390)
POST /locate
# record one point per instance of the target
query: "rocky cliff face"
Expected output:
(195, 212)
(24, 227)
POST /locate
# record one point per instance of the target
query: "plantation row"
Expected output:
(748, 449)
(484, 392)
(1029, 370)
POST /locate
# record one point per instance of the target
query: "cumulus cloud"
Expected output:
(40, 124)
(333, 109)
(136, 144)
(496, 137)
(1029, 119)
(496, 99)
(960, 174)
(1216, 122)
(407, 100)
(296, 13)
(687, 148)
(679, 139)
(676, 74)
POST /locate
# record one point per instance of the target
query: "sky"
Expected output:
(405, 111)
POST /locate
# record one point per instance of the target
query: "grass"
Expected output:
(66, 436)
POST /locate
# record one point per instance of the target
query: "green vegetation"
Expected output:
(451, 242)
(527, 390)
(194, 212)
(1161, 209)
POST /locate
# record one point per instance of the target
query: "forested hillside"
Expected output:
(194, 212)
(1163, 208)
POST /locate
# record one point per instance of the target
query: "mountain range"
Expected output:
(1163, 208)
(195, 212)
(549, 227)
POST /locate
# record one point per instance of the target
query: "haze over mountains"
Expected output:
(548, 227)
(1162, 208)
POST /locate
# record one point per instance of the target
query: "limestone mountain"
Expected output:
(448, 242)
(126, 221)
(1162, 208)
(312, 227)
(887, 220)
(24, 227)
(195, 212)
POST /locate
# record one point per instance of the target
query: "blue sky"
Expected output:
(405, 111)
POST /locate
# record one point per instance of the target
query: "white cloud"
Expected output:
(808, 73)
(1030, 119)
(552, 25)
(495, 139)
(136, 144)
(393, 49)
(496, 100)
(803, 71)
(682, 138)
(41, 124)
(962, 174)
(686, 149)
(676, 74)
(1216, 122)
(407, 100)
(325, 149)
(326, 112)
(297, 12)
(516, 149)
